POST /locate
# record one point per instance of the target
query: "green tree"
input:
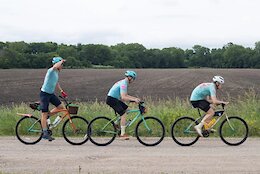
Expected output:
(66, 51)
(134, 52)
(72, 62)
(201, 56)
(236, 56)
(9, 59)
(174, 57)
(217, 58)
(35, 48)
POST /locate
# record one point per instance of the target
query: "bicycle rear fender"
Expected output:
(24, 115)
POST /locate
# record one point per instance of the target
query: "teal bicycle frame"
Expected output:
(31, 129)
(117, 118)
(105, 129)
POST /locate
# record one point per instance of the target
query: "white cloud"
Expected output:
(153, 23)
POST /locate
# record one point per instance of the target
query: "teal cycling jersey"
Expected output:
(202, 91)
(50, 81)
(118, 88)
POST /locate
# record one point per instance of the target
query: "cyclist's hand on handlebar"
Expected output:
(225, 103)
(137, 100)
(64, 94)
(222, 103)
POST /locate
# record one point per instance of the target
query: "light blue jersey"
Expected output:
(118, 88)
(202, 91)
(50, 81)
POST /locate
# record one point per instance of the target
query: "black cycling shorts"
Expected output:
(202, 104)
(47, 98)
(119, 106)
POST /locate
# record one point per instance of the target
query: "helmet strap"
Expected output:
(130, 79)
(217, 84)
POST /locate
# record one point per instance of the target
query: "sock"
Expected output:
(123, 130)
(45, 131)
(200, 125)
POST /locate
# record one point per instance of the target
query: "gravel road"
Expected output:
(207, 156)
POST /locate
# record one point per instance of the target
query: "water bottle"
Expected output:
(56, 121)
(207, 126)
(48, 122)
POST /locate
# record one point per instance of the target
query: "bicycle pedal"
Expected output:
(205, 133)
(212, 130)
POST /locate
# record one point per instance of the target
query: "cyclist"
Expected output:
(47, 94)
(116, 97)
(204, 95)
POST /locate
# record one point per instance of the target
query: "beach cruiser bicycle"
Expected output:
(233, 130)
(74, 130)
(149, 131)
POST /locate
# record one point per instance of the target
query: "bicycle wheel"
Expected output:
(150, 131)
(183, 132)
(29, 130)
(75, 131)
(233, 132)
(101, 131)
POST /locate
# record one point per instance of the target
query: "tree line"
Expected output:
(134, 55)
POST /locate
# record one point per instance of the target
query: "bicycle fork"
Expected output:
(229, 123)
(145, 124)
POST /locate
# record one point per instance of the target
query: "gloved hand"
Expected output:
(64, 94)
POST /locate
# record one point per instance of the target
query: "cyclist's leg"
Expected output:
(57, 103)
(123, 124)
(205, 106)
(120, 108)
(45, 99)
(207, 118)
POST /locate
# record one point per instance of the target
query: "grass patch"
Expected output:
(167, 110)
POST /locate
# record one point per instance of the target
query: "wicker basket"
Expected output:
(73, 109)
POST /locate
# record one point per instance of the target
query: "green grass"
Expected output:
(167, 110)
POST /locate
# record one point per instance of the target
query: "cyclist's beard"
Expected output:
(218, 87)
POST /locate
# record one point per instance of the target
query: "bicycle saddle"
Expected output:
(35, 106)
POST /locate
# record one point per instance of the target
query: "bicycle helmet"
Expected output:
(56, 60)
(218, 79)
(131, 74)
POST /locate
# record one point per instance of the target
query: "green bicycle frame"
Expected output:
(30, 129)
(135, 118)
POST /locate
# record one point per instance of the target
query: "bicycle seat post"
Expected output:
(199, 112)
(117, 117)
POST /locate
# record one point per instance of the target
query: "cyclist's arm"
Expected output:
(59, 87)
(126, 97)
(214, 100)
(57, 65)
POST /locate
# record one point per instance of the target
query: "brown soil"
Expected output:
(19, 85)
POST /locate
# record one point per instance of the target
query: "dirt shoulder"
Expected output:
(206, 156)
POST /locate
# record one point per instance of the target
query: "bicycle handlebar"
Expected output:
(141, 102)
(65, 100)
(223, 105)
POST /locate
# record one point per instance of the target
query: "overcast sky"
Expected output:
(152, 23)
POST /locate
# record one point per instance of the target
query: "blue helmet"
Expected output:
(56, 60)
(131, 74)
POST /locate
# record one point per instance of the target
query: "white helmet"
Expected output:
(218, 79)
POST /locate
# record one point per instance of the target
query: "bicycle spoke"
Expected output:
(183, 132)
(150, 131)
(75, 132)
(233, 131)
(101, 131)
(29, 130)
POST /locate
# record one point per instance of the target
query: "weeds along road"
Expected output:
(206, 156)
